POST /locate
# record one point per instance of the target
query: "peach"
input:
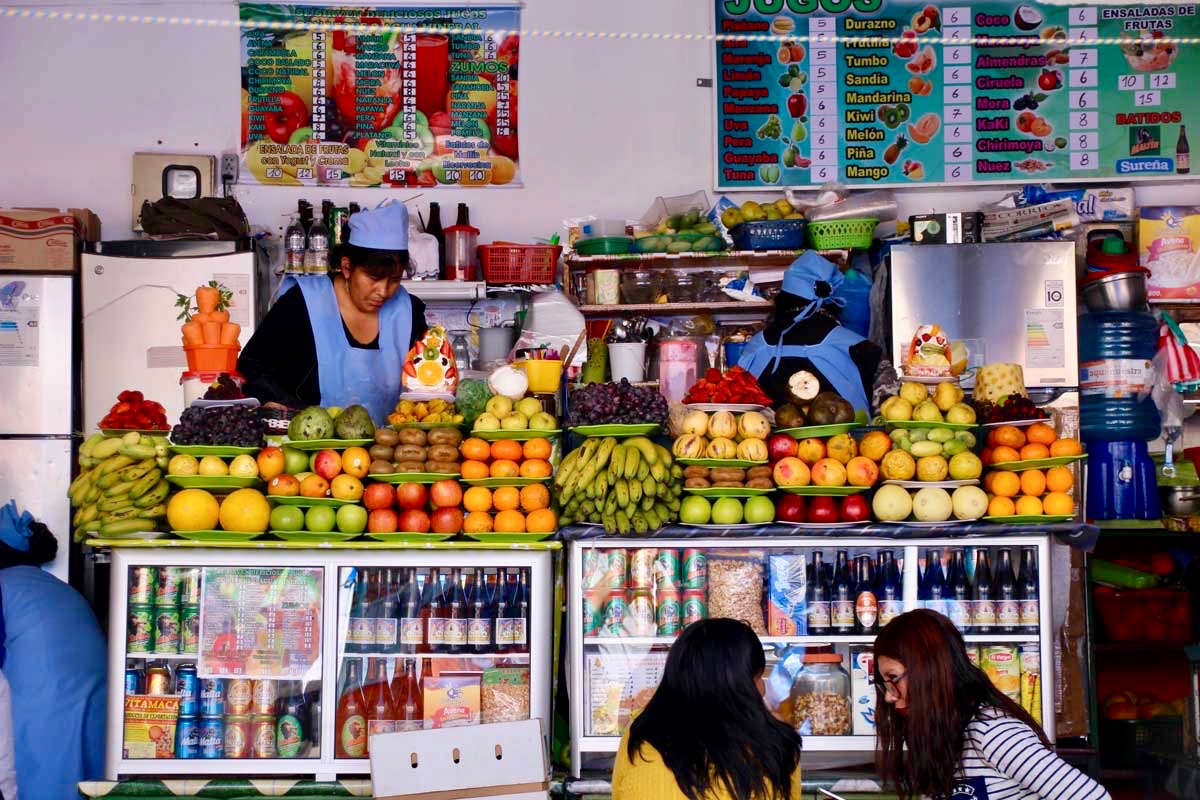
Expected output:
(862, 471)
(829, 472)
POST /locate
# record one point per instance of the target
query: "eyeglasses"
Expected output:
(892, 685)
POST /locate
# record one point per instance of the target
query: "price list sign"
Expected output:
(380, 96)
(901, 93)
(260, 622)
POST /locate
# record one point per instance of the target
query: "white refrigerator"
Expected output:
(131, 336)
(39, 408)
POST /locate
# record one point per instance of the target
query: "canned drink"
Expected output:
(262, 697)
(212, 697)
(189, 629)
(189, 586)
(595, 568)
(669, 613)
(237, 737)
(187, 738)
(641, 568)
(616, 608)
(139, 631)
(666, 570)
(134, 677)
(187, 686)
(694, 606)
(141, 586)
(262, 736)
(158, 680)
(695, 569)
(640, 619)
(593, 612)
(166, 629)
(166, 586)
(237, 696)
(618, 566)
(212, 737)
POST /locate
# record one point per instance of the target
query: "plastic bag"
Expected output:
(735, 588)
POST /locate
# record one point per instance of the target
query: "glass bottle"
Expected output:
(1029, 593)
(890, 593)
(1006, 595)
(360, 634)
(818, 598)
(291, 724)
(841, 609)
(431, 610)
(960, 592)
(1183, 153)
(479, 624)
(378, 696)
(501, 638)
(983, 611)
(933, 587)
(464, 214)
(411, 628)
(462, 349)
(456, 613)
(434, 228)
(407, 702)
(351, 717)
(866, 604)
(386, 624)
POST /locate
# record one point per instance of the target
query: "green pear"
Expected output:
(927, 411)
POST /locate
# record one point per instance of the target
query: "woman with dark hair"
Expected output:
(706, 733)
(944, 731)
(341, 339)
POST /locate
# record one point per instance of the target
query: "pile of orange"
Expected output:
(505, 458)
(1010, 443)
(1032, 492)
(509, 509)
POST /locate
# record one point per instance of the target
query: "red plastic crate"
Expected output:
(503, 262)
(1150, 615)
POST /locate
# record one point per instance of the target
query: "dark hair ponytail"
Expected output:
(43, 547)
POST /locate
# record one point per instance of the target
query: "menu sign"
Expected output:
(355, 96)
(900, 92)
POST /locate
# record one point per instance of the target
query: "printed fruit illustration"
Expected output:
(797, 104)
(1049, 80)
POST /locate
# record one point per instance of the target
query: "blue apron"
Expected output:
(831, 357)
(347, 374)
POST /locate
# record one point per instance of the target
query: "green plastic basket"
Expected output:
(842, 234)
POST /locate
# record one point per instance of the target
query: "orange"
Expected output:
(478, 522)
(541, 521)
(1034, 450)
(507, 449)
(535, 468)
(1059, 479)
(985, 456)
(1040, 433)
(1007, 435)
(510, 522)
(1003, 453)
(1005, 484)
(1058, 503)
(538, 448)
(535, 497)
(505, 468)
(474, 469)
(1033, 482)
(1028, 506)
(475, 449)
(506, 498)
(1001, 507)
(477, 498)
(988, 478)
(1066, 447)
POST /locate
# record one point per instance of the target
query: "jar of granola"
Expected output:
(821, 697)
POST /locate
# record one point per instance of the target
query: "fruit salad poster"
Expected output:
(385, 108)
(900, 92)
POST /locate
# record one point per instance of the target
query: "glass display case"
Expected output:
(816, 604)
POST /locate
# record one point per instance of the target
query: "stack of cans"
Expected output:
(235, 719)
(164, 610)
(643, 592)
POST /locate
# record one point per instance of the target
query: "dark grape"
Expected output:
(234, 426)
(609, 403)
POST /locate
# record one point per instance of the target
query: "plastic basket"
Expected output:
(519, 263)
(842, 234)
(769, 234)
(1156, 615)
(1124, 743)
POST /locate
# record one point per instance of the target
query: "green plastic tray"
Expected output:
(604, 246)
(410, 538)
(508, 538)
(809, 431)
(212, 481)
(313, 537)
(414, 477)
(520, 436)
(914, 424)
(633, 429)
(329, 444)
(309, 502)
(740, 463)
(823, 491)
(1030, 519)
(224, 451)
(1038, 463)
(727, 491)
(218, 536)
(493, 482)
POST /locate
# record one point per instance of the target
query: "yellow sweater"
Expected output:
(648, 778)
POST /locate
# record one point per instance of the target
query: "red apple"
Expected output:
(791, 508)
(447, 520)
(414, 521)
(855, 509)
(781, 446)
(379, 495)
(383, 520)
(822, 509)
(446, 494)
(327, 464)
(411, 496)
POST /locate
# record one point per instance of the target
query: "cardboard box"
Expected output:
(506, 761)
(953, 228)
(862, 691)
(1169, 246)
(44, 239)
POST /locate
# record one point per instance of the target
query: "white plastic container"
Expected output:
(600, 228)
(627, 360)
(195, 384)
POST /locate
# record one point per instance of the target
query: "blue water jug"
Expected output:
(1115, 353)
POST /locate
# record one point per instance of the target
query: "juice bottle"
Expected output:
(378, 696)
(407, 702)
(351, 717)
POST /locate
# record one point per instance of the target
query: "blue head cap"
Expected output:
(384, 227)
(804, 274)
(15, 528)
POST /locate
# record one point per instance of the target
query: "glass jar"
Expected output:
(637, 287)
(821, 697)
(686, 287)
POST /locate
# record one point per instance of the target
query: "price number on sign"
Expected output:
(304, 173)
(397, 175)
(1162, 80)
(1147, 98)
(1130, 83)
(739, 7)
(958, 172)
(273, 172)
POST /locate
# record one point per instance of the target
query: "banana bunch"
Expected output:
(631, 486)
(121, 487)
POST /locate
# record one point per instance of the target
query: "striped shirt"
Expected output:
(1003, 759)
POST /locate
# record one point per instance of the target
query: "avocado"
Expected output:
(354, 423)
(313, 422)
(789, 416)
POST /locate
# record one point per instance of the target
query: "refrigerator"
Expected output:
(131, 337)
(39, 403)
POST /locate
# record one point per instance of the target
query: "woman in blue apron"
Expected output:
(804, 334)
(341, 339)
(945, 732)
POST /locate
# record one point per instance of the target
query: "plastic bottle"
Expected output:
(1115, 350)
(316, 258)
(294, 243)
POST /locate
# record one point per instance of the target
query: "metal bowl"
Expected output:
(1179, 501)
(1123, 290)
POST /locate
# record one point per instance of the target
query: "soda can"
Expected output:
(695, 569)
(616, 608)
(212, 697)
(189, 586)
(212, 737)
(666, 570)
(640, 619)
(237, 737)
(187, 686)
(166, 586)
(694, 606)
(134, 678)
(189, 629)
(262, 736)
(595, 568)
(641, 568)
(618, 565)
(187, 738)
(166, 629)
(139, 631)
(237, 696)
(141, 586)
(262, 697)
(669, 613)
(158, 680)
(593, 612)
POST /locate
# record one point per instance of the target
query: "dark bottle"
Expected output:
(373, 597)
(1005, 594)
(291, 722)
(457, 612)
(353, 208)
(841, 609)
(434, 228)
(983, 611)
(312, 699)
(464, 214)
(500, 609)
(1029, 593)
(378, 696)
(890, 591)
(360, 633)
(1183, 154)
(866, 604)
(407, 702)
(326, 211)
(512, 631)
(431, 611)
(960, 592)
(933, 583)
(410, 627)
(305, 211)
(387, 626)
(350, 739)
(818, 598)
(479, 622)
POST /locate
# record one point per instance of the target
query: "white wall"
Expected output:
(605, 125)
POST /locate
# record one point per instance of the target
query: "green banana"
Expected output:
(106, 448)
(643, 471)
(119, 489)
(113, 516)
(138, 451)
(157, 512)
(115, 503)
(87, 462)
(610, 506)
(632, 459)
(673, 504)
(658, 472)
(568, 488)
(635, 492)
(652, 519)
(133, 437)
(664, 455)
(145, 483)
(622, 493)
(88, 513)
(640, 525)
(587, 507)
(616, 464)
(78, 495)
(137, 470)
(645, 447)
(647, 503)
(93, 494)
(156, 495)
(622, 522)
(605, 450)
(111, 479)
(82, 478)
(113, 464)
(564, 469)
(89, 445)
(601, 485)
(677, 473)
(610, 522)
(120, 527)
(649, 486)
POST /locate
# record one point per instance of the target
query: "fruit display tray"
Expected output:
(737, 526)
(735, 407)
(932, 484)
(818, 526)
(328, 444)
(499, 537)
(1038, 463)
(405, 537)
(494, 482)
(220, 450)
(914, 424)
(110, 432)
(313, 537)
(1017, 423)
(414, 477)
(618, 429)
(308, 502)
(740, 463)
(523, 435)
(811, 431)
(425, 426)
(218, 536)
(727, 491)
(917, 523)
(212, 481)
(823, 491)
(1030, 519)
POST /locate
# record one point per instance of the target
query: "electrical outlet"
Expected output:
(229, 167)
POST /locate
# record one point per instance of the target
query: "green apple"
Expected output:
(294, 460)
(351, 519)
(529, 406)
(499, 406)
(320, 519)
(542, 421)
(759, 510)
(487, 422)
(695, 510)
(514, 421)
(727, 511)
(287, 518)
